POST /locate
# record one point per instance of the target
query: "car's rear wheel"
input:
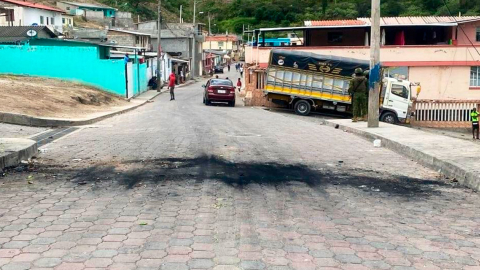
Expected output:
(231, 103)
(207, 102)
(302, 107)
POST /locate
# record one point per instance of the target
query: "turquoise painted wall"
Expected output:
(143, 86)
(81, 64)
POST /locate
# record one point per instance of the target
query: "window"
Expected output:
(47, 21)
(52, 21)
(68, 8)
(399, 90)
(63, 20)
(478, 34)
(220, 44)
(335, 37)
(475, 76)
(41, 19)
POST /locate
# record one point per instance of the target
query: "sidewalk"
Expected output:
(27, 120)
(13, 151)
(455, 158)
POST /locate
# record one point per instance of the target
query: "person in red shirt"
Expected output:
(239, 84)
(171, 85)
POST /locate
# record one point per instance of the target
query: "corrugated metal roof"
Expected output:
(425, 20)
(130, 32)
(334, 22)
(21, 31)
(399, 21)
(32, 5)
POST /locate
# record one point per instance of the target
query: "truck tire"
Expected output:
(389, 117)
(302, 107)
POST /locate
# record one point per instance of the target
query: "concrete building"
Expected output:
(221, 42)
(67, 20)
(129, 38)
(442, 53)
(82, 9)
(24, 13)
(179, 41)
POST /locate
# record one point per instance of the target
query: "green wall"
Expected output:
(81, 64)
(143, 79)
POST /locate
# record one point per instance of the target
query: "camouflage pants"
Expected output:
(360, 105)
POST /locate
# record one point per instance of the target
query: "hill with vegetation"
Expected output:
(231, 15)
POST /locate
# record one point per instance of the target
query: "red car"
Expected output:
(219, 90)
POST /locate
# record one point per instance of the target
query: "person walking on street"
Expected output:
(357, 90)
(241, 71)
(239, 84)
(171, 85)
(228, 67)
(474, 116)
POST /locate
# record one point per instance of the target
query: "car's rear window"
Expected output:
(221, 82)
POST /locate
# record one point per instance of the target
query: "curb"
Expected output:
(27, 120)
(449, 169)
(22, 149)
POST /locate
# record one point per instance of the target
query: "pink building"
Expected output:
(442, 53)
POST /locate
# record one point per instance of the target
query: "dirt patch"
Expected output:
(42, 97)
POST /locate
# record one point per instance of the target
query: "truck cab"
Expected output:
(396, 100)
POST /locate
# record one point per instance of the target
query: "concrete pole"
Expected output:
(209, 28)
(159, 53)
(180, 13)
(375, 78)
(194, 45)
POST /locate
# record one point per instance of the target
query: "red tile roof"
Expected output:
(334, 23)
(32, 5)
(221, 38)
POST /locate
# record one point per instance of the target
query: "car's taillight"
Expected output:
(210, 89)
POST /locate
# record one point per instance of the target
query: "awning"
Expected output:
(179, 60)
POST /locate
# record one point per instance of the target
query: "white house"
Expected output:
(24, 13)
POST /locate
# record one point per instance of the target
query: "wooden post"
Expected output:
(375, 74)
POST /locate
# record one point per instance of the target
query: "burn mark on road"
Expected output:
(239, 175)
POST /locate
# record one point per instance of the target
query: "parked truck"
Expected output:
(305, 81)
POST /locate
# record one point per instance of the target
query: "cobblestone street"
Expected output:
(179, 185)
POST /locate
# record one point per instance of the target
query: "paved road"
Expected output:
(179, 185)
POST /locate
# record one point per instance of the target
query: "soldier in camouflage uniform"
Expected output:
(358, 92)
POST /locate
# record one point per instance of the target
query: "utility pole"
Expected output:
(159, 47)
(209, 29)
(194, 45)
(181, 13)
(375, 74)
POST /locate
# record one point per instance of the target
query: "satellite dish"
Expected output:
(31, 33)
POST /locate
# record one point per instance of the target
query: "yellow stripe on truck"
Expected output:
(309, 93)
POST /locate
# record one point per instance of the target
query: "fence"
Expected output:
(444, 113)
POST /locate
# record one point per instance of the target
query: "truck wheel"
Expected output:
(389, 117)
(303, 107)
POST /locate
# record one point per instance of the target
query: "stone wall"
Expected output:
(124, 19)
(254, 95)
(122, 39)
(93, 15)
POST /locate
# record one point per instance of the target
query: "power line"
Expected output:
(449, 12)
